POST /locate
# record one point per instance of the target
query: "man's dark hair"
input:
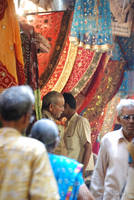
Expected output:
(70, 100)
(50, 98)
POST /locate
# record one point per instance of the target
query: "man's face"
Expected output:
(66, 112)
(126, 119)
(58, 107)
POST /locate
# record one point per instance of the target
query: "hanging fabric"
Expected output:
(11, 58)
(91, 26)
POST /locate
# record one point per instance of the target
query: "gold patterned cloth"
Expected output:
(25, 171)
(60, 149)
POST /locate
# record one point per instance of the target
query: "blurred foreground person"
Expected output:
(110, 173)
(129, 188)
(68, 172)
(25, 171)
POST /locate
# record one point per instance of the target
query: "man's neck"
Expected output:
(128, 138)
(71, 114)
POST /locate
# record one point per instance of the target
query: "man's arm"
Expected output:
(43, 184)
(86, 156)
(98, 177)
(84, 193)
(85, 137)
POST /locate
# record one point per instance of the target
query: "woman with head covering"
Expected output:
(68, 172)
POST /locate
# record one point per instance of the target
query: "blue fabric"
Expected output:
(66, 175)
(91, 23)
(127, 45)
(117, 53)
(130, 160)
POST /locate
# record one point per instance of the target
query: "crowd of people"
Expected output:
(52, 160)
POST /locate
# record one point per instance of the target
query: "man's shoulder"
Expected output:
(31, 145)
(112, 135)
(82, 118)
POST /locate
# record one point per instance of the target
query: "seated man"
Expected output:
(25, 171)
(68, 172)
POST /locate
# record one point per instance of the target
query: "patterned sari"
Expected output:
(68, 174)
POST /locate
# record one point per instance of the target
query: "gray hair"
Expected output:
(123, 104)
(46, 131)
(50, 98)
(15, 102)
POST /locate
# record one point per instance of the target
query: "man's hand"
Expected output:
(84, 193)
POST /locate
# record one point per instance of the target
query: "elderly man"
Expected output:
(77, 134)
(68, 172)
(52, 108)
(25, 171)
(129, 187)
(111, 169)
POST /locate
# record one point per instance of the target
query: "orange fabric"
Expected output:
(11, 58)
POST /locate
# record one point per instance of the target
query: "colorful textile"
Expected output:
(63, 69)
(82, 71)
(25, 171)
(95, 84)
(110, 115)
(68, 66)
(91, 26)
(54, 27)
(68, 174)
(109, 83)
(31, 63)
(99, 95)
(11, 59)
(88, 75)
(127, 48)
(29, 55)
(127, 86)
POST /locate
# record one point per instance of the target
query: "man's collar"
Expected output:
(122, 137)
(47, 114)
(73, 116)
(7, 131)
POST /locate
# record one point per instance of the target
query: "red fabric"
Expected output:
(3, 6)
(82, 62)
(57, 72)
(104, 88)
(49, 26)
(6, 79)
(94, 84)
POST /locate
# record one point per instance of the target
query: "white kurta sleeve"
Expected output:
(98, 177)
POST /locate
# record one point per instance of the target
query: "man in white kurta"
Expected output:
(110, 173)
(111, 170)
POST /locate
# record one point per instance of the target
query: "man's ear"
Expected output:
(25, 118)
(51, 107)
(118, 119)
